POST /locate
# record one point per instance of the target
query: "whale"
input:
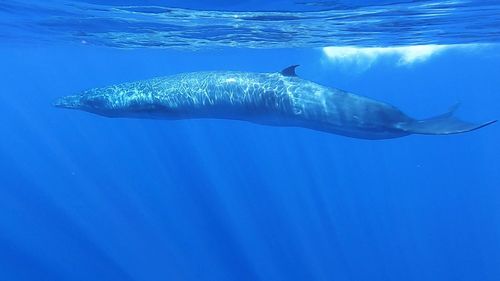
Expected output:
(275, 99)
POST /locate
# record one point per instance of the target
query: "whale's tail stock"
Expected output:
(444, 124)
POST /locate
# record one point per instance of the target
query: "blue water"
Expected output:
(83, 197)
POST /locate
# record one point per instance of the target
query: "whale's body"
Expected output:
(278, 99)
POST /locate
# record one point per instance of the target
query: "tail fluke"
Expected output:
(444, 124)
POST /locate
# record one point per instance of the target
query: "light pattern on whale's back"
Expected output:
(247, 91)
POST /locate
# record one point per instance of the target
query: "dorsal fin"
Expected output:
(289, 71)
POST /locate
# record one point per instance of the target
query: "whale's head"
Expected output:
(94, 103)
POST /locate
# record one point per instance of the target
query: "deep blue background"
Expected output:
(83, 197)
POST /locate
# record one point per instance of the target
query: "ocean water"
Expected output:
(84, 197)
